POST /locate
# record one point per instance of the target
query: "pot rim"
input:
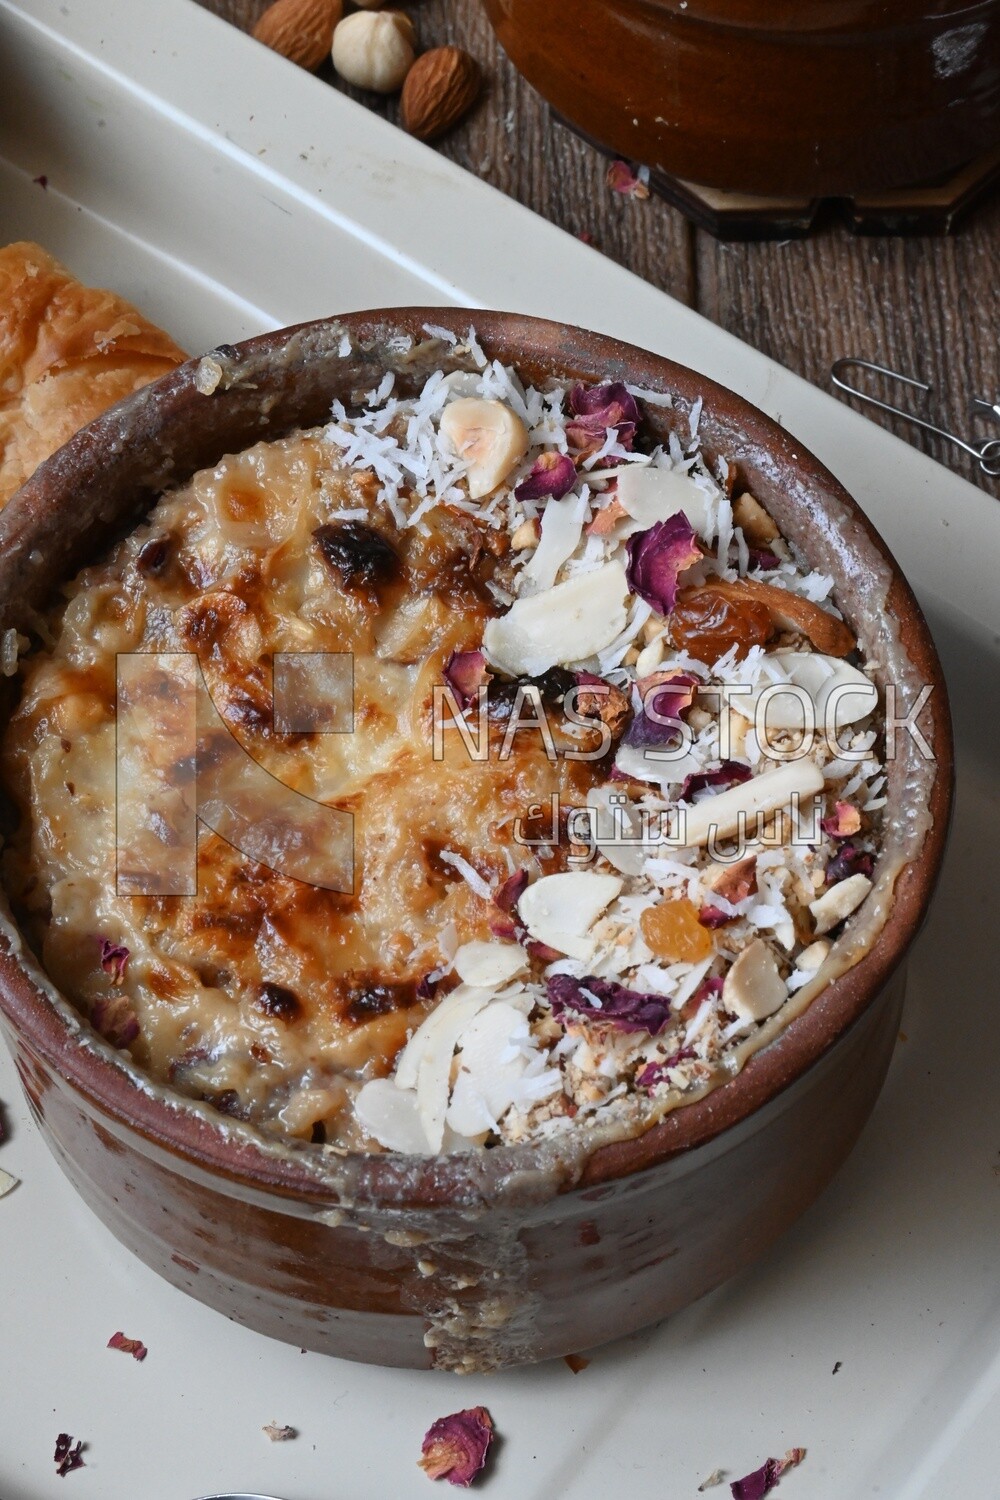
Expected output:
(238, 1154)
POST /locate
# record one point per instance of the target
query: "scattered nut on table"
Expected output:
(440, 87)
(374, 50)
(301, 30)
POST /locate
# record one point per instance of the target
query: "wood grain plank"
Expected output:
(925, 306)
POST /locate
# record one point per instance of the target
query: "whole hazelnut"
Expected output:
(374, 50)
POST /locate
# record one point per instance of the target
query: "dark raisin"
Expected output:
(365, 1001)
(274, 1000)
(153, 555)
(358, 554)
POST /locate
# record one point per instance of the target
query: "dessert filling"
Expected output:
(460, 772)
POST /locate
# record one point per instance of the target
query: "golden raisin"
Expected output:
(674, 933)
(707, 623)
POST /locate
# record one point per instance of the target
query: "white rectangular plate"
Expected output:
(226, 192)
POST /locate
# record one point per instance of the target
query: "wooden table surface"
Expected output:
(926, 306)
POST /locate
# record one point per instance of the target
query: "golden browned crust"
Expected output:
(67, 353)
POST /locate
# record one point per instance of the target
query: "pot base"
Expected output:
(936, 207)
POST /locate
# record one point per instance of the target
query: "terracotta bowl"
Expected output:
(779, 98)
(510, 1255)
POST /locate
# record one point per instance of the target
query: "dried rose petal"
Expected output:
(849, 860)
(657, 558)
(621, 179)
(511, 891)
(279, 1434)
(135, 1347)
(843, 822)
(730, 773)
(427, 988)
(594, 410)
(576, 1362)
(764, 558)
(68, 1456)
(553, 475)
(665, 697)
(465, 673)
(654, 1072)
(709, 988)
(114, 957)
(113, 1017)
(762, 1481)
(714, 916)
(604, 1001)
(455, 1447)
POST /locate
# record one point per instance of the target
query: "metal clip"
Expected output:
(986, 454)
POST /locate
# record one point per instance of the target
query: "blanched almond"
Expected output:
(754, 989)
(489, 964)
(819, 676)
(566, 623)
(741, 807)
(489, 436)
(839, 901)
(389, 1114)
(559, 910)
(649, 495)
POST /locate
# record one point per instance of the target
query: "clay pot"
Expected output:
(509, 1255)
(779, 98)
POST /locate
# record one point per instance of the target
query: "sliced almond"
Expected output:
(741, 808)
(567, 623)
(649, 495)
(447, 1017)
(754, 521)
(492, 1060)
(7, 1183)
(819, 676)
(390, 1115)
(490, 437)
(559, 910)
(562, 528)
(839, 901)
(489, 964)
(754, 989)
(789, 611)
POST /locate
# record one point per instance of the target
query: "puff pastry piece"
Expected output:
(67, 353)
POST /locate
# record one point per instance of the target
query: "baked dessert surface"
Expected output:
(67, 353)
(454, 995)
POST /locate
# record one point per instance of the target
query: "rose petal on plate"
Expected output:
(135, 1347)
(455, 1447)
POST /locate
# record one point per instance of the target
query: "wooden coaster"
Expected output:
(926, 208)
